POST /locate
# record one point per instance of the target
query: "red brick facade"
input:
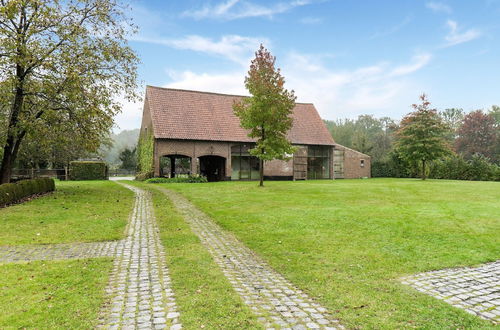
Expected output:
(197, 149)
(203, 127)
(354, 165)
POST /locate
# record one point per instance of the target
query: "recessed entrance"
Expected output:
(213, 167)
(172, 166)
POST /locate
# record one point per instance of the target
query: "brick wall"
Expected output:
(279, 168)
(195, 149)
(192, 149)
(356, 164)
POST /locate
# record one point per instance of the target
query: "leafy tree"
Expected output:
(362, 143)
(128, 159)
(62, 63)
(267, 113)
(366, 134)
(342, 131)
(478, 134)
(453, 118)
(421, 137)
(495, 113)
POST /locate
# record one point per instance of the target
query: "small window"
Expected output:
(362, 163)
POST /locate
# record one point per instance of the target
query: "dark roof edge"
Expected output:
(224, 141)
(212, 93)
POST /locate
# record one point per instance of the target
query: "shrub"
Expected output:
(392, 167)
(14, 192)
(144, 176)
(478, 168)
(189, 179)
(88, 170)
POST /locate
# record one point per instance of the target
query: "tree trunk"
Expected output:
(261, 170)
(423, 170)
(6, 169)
(12, 143)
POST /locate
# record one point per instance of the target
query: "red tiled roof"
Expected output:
(193, 115)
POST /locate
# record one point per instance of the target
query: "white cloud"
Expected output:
(236, 9)
(380, 89)
(131, 114)
(236, 48)
(226, 83)
(439, 7)
(455, 37)
(419, 61)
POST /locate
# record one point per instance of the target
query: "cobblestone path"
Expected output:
(275, 300)
(58, 251)
(139, 287)
(476, 289)
(139, 292)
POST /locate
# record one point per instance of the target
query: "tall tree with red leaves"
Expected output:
(478, 134)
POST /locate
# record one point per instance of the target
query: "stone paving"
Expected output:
(22, 253)
(139, 290)
(475, 289)
(275, 300)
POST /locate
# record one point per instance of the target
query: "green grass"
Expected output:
(52, 295)
(205, 297)
(347, 242)
(79, 211)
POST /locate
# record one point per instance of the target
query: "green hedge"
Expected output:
(88, 170)
(478, 168)
(14, 192)
(189, 179)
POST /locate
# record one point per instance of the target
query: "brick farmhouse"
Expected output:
(197, 133)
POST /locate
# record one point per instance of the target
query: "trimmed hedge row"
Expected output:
(88, 170)
(189, 179)
(13, 192)
(478, 168)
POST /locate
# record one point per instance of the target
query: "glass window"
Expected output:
(244, 166)
(235, 165)
(318, 162)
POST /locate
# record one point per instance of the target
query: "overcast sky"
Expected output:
(346, 57)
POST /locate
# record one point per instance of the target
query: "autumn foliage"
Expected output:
(478, 135)
(267, 113)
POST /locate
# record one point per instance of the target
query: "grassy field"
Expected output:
(205, 297)
(79, 211)
(52, 295)
(347, 242)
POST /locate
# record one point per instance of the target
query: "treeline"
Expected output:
(471, 140)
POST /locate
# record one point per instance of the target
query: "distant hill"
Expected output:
(122, 140)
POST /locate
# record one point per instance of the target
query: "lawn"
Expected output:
(346, 242)
(79, 211)
(52, 295)
(205, 297)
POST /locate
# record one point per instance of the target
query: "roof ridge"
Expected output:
(212, 93)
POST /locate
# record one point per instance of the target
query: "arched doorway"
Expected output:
(172, 166)
(213, 167)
